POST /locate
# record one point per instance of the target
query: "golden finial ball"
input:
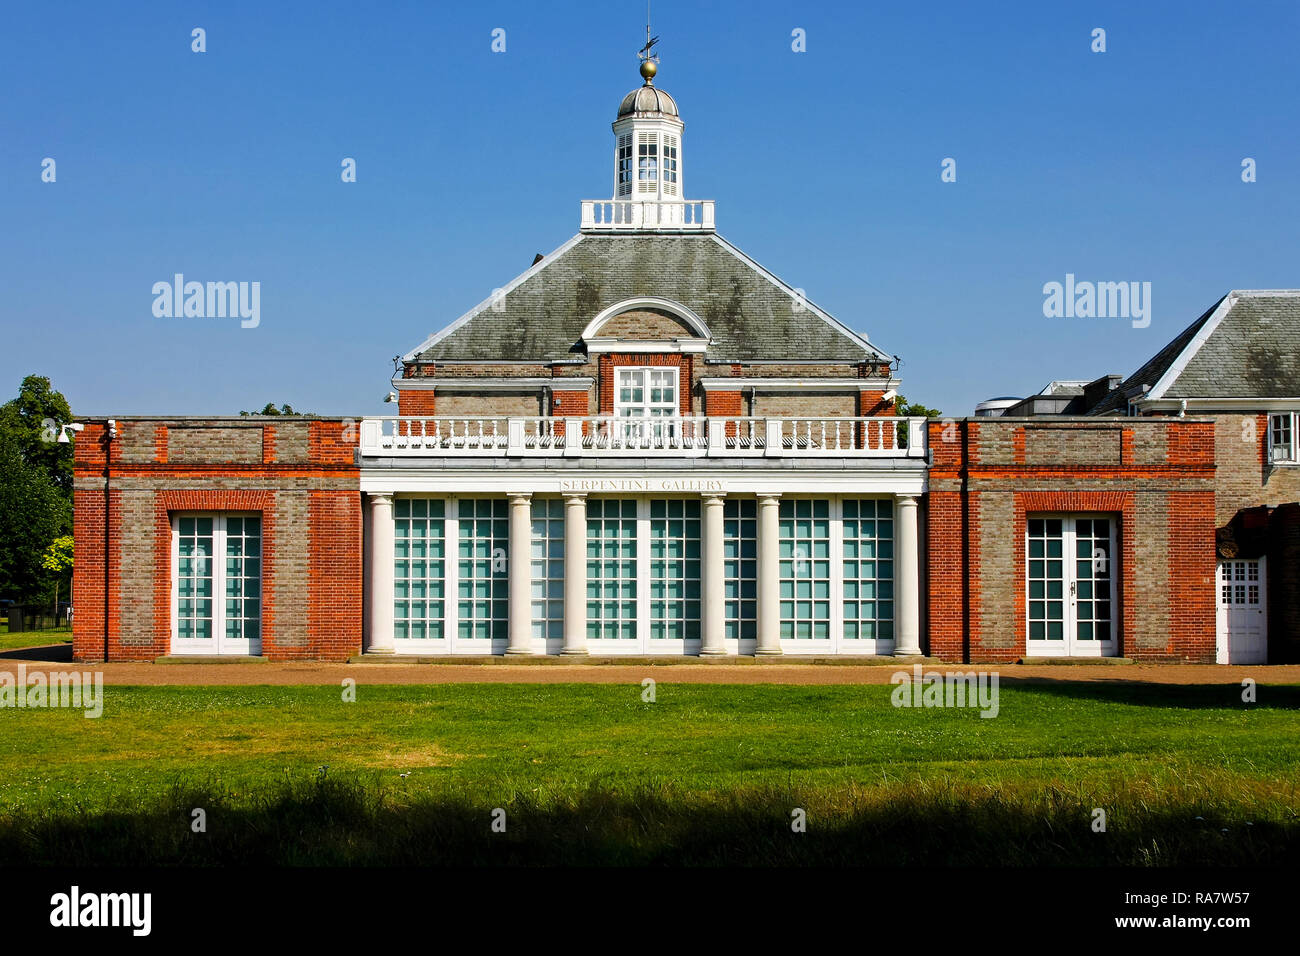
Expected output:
(648, 70)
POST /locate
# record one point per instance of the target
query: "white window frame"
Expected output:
(647, 408)
(625, 170)
(218, 643)
(1290, 452)
(647, 162)
(1071, 645)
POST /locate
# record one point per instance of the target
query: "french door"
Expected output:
(1070, 585)
(217, 584)
(1242, 624)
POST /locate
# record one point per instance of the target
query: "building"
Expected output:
(648, 444)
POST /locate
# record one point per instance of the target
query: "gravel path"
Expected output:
(626, 671)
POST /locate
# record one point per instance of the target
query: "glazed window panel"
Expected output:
(419, 568)
(611, 569)
(647, 162)
(740, 567)
(547, 568)
(625, 165)
(1092, 574)
(674, 569)
(1045, 579)
(195, 577)
(482, 582)
(243, 578)
(805, 569)
(868, 568)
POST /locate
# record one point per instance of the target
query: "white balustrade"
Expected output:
(628, 215)
(676, 436)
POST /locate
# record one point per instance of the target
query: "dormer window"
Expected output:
(646, 393)
(1282, 429)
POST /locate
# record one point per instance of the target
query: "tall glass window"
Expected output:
(805, 569)
(868, 525)
(548, 567)
(674, 569)
(611, 568)
(481, 567)
(740, 567)
(419, 568)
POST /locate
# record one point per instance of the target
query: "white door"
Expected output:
(217, 584)
(1242, 612)
(1070, 585)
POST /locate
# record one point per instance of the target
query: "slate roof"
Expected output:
(751, 314)
(1246, 346)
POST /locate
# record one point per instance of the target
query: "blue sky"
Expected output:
(1115, 166)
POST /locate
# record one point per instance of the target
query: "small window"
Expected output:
(646, 393)
(624, 165)
(1282, 438)
(647, 163)
(670, 165)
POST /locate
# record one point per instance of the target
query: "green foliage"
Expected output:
(35, 487)
(31, 423)
(33, 512)
(270, 409)
(58, 556)
(904, 407)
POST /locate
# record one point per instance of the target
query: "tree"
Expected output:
(32, 422)
(58, 561)
(35, 485)
(903, 407)
(909, 409)
(270, 409)
(33, 512)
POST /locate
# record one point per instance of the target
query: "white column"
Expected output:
(907, 579)
(575, 572)
(521, 576)
(712, 581)
(769, 575)
(381, 575)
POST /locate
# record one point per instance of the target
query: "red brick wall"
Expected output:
(981, 490)
(415, 402)
(311, 569)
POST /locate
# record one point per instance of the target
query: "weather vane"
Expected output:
(648, 59)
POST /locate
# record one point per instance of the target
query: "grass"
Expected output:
(11, 642)
(707, 774)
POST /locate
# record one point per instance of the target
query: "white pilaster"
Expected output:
(381, 575)
(713, 579)
(575, 570)
(521, 576)
(769, 575)
(907, 579)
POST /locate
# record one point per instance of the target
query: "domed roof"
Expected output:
(647, 99)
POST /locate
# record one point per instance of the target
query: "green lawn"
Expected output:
(10, 642)
(707, 774)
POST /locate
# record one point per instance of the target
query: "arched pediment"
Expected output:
(657, 319)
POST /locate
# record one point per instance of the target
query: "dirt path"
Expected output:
(604, 672)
